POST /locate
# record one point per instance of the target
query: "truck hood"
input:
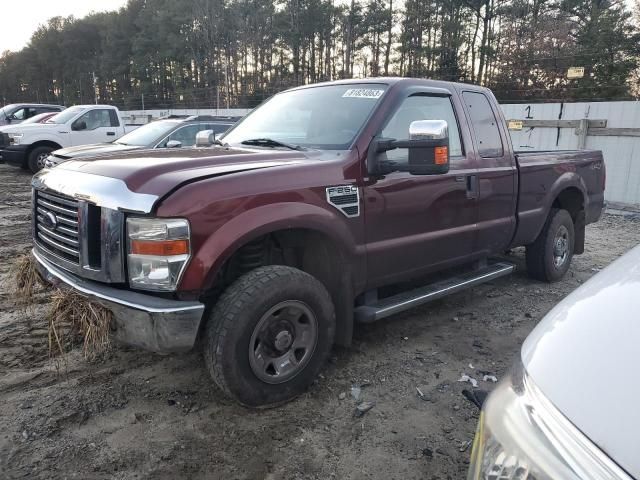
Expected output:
(583, 356)
(135, 181)
(30, 127)
(95, 149)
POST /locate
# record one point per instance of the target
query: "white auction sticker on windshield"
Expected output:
(362, 93)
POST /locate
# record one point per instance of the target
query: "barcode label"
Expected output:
(363, 93)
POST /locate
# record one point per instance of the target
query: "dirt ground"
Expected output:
(133, 414)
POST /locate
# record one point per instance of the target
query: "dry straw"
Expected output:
(24, 278)
(72, 317)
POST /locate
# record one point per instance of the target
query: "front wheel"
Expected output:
(37, 157)
(549, 257)
(269, 335)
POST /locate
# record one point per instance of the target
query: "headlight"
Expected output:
(15, 138)
(159, 249)
(522, 436)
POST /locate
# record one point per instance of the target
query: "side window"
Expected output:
(484, 124)
(186, 135)
(95, 119)
(20, 114)
(218, 128)
(421, 107)
(113, 117)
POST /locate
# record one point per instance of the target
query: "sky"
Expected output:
(23, 17)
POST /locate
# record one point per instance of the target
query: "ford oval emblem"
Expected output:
(50, 221)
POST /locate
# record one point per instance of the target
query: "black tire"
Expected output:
(545, 262)
(36, 158)
(236, 319)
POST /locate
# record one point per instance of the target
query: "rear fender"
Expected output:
(530, 222)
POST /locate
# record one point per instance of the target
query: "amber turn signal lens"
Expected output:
(442, 156)
(161, 248)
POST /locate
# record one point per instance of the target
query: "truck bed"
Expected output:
(543, 174)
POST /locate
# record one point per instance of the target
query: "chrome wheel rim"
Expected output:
(40, 160)
(283, 342)
(561, 246)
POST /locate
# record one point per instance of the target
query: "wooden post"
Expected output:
(582, 133)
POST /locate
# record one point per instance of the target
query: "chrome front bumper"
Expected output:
(152, 323)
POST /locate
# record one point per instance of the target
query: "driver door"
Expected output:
(416, 224)
(98, 125)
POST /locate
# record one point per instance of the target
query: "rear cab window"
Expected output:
(484, 124)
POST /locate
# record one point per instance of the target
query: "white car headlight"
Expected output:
(522, 436)
(15, 138)
(158, 252)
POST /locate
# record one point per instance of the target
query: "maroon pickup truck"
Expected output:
(329, 204)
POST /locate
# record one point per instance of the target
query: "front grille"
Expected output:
(56, 225)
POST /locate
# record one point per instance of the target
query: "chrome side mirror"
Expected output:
(428, 130)
(205, 138)
(427, 148)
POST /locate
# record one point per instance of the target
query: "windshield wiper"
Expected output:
(269, 142)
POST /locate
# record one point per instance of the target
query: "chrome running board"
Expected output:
(406, 300)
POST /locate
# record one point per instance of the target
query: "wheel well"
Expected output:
(43, 143)
(571, 200)
(308, 250)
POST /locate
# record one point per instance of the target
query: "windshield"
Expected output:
(66, 115)
(7, 110)
(149, 134)
(327, 117)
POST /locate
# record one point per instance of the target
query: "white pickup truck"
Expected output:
(28, 146)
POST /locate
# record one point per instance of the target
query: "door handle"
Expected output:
(111, 134)
(472, 187)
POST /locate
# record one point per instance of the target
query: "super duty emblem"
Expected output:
(345, 198)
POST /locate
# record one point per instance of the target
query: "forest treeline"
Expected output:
(197, 53)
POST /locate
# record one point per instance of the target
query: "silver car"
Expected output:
(569, 410)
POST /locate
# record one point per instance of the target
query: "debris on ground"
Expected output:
(72, 314)
(342, 396)
(23, 277)
(468, 379)
(363, 408)
(490, 378)
(355, 392)
(477, 397)
(464, 446)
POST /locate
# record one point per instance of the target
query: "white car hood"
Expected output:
(584, 357)
(30, 127)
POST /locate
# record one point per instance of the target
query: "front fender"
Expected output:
(259, 221)
(50, 138)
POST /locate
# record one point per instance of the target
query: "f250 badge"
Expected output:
(345, 198)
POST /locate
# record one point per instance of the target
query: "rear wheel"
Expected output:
(37, 157)
(269, 335)
(549, 257)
